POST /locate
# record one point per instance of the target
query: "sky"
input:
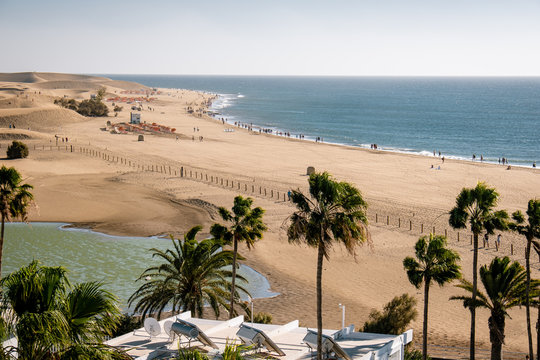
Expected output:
(260, 37)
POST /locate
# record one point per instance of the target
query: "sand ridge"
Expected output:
(112, 197)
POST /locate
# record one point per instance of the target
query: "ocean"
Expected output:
(486, 116)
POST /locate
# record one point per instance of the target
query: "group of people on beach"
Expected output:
(498, 241)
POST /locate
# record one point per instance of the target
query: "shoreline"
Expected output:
(380, 149)
(282, 133)
(262, 286)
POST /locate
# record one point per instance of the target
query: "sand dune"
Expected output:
(38, 118)
(24, 77)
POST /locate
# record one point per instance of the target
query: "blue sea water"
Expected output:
(493, 117)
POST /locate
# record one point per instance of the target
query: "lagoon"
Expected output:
(116, 261)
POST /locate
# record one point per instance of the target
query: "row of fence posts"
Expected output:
(220, 181)
(486, 244)
(192, 174)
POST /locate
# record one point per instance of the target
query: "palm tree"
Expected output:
(52, 319)
(14, 200)
(505, 284)
(193, 274)
(536, 247)
(434, 262)
(476, 206)
(530, 230)
(246, 225)
(334, 212)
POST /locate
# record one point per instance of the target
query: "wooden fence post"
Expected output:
(399, 222)
(387, 219)
(421, 228)
(376, 217)
(410, 225)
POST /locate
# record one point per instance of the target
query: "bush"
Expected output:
(127, 324)
(262, 318)
(414, 354)
(17, 150)
(89, 107)
(395, 318)
(190, 354)
(93, 107)
(70, 104)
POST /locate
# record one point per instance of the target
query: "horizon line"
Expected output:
(297, 75)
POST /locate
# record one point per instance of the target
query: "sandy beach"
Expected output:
(105, 181)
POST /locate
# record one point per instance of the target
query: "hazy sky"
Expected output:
(255, 37)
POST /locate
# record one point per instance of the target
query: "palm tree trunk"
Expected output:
(320, 259)
(2, 243)
(474, 290)
(233, 275)
(538, 333)
(424, 335)
(496, 335)
(527, 292)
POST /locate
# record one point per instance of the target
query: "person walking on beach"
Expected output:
(499, 240)
(486, 240)
(289, 195)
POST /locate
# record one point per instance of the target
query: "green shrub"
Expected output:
(262, 318)
(89, 107)
(127, 324)
(395, 318)
(190, 354)
(70, 104)
(92, 107)
(413, 354)
(17, 150)
(235, 351)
